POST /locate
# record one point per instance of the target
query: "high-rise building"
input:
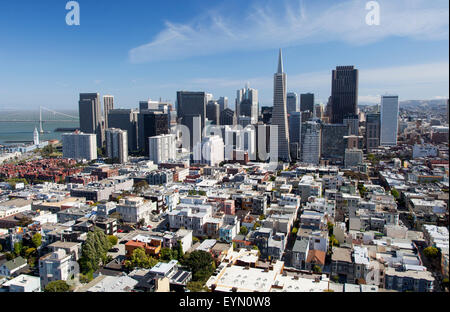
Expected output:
(162, 148)
(247, 103)
(266, 113)
(223, 102)
(333, 147)
(90, 116)
(318, 111)
(389, 120)
(117, 145)
(228, 117)
(279, 116)
(209, 151)
(108, 105)
(307, 102)
(242, 140)
(153, 124)
(79, 146)
(295, 128)
(344, 93)
(292, 102)
(311, 142)
(192, 103)
(126, 119)
(352, 121)
(372, 131)
(213, 112)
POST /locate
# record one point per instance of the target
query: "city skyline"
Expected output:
(51, 59)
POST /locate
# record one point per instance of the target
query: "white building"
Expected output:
(240, 139)
(162, 148)
(209, 151)
(133, 209)
(80, 146)
(117, 144)
(56, 266)
(389, 120)
(24, 283)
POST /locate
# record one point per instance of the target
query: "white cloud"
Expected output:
(266, 27)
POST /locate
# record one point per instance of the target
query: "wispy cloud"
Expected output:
(266, 26)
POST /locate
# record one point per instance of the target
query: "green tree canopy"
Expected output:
(139, 259)
(244, 230)
(395, 193)
(94, 250)
(37, 240)
(201, 265)
(57, 286)
(431, 252)
(113, 240)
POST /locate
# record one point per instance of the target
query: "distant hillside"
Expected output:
(423, 103)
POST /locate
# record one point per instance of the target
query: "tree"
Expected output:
(244, 230)
(262, 217)
(395, 193)
(94, 250)
(1, 247)
(256, 225)
(196, 287)
(180, 252)
(166, 254)
(200, 264)
(431, 252)
(57, 286)
(317, 269)
(141, 222)
(294, 231)
(17, 248)
(330, 228)
(140, 186)
(140, 259)
(37, 240)
(29, 252)
(113, 240)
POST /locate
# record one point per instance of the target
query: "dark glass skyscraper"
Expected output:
(307, 102)
(154, 123)
(90, 112)
(125, 119)
(191, 103)
(344, 93)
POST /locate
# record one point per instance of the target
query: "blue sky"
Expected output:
(140, 49)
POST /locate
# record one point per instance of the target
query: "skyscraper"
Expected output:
(213, 112)
(279, 117)
(125, 119)
(307, 102)
(154, 123)
(389, 120)
(295, 128)
(372, 131)
(344, 93)
(117, 145)
(223, 102)
(247, 103)
(90, 116)
(108, 105)
(292, 102)
(311, 142)
(332, 142)
(228, 117)
(192, 103)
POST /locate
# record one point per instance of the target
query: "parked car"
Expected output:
(114, 250)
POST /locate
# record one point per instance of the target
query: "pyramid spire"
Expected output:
(280, 63)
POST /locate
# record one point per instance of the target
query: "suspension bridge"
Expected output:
(41, 120)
